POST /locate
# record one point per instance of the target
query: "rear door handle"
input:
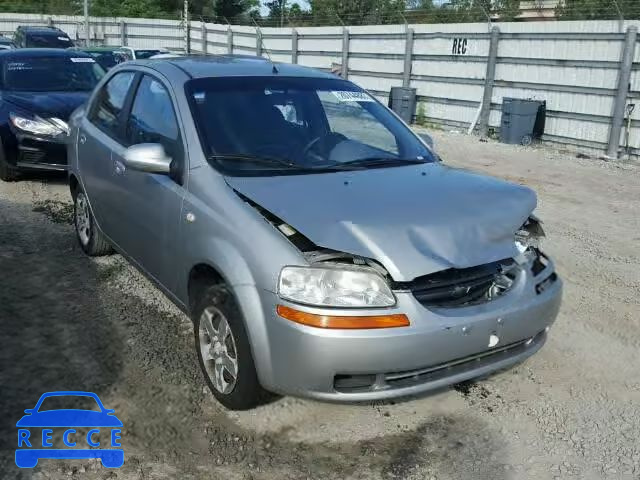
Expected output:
(119, 167)
(83, 138)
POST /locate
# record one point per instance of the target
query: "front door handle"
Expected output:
(119, 167)
(82, 138)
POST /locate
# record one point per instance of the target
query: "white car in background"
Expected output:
(167, 55)
(144, 53)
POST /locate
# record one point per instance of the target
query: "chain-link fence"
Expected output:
(366, 12)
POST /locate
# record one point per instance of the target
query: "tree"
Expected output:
(598, 9)
(357, 12)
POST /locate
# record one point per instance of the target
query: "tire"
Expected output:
(8, 172)
(217, 356)
(526, 140)
(90, 238)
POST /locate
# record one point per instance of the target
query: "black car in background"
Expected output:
(41, 37)
(39, 88)
(6, 43)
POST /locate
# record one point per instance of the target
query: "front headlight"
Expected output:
(335, 287)
(530, 235)
(39, 126)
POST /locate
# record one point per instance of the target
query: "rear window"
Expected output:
(48, 40)
(44, 74)
(142, 54)
(109, 60)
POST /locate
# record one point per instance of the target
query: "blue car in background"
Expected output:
(28, 453)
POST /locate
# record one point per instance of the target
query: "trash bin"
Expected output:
(402, 100)
(522, 120)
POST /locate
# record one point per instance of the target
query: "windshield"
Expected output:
(45, 74)
(48, 41)
(269, 125)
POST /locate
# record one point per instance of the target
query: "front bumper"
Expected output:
(441, 346)
(39, 153)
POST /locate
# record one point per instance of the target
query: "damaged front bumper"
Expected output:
(442, 345)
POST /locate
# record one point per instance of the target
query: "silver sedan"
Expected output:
(320, 247)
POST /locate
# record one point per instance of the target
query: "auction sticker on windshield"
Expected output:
(53, 430)
(347, 96)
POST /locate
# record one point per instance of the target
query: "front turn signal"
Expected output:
(341, 321)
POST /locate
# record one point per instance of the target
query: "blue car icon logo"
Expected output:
(32, 446)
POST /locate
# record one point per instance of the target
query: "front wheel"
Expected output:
(91, 240)
(223, 350)
(8, 172)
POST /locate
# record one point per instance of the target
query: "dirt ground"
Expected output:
(571, 411)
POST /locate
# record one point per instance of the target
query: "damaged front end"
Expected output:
(448, 288)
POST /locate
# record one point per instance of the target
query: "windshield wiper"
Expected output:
(375, 162)
(271, 161)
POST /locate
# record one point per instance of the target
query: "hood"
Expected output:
(47, 104)
(414, 220)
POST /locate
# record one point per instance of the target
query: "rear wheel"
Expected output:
(223, 350)
(8, 172)
(91, 240)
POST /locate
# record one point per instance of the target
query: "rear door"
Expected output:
(150, 219)
(101, 132)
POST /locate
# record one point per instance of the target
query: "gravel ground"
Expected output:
(571, 411)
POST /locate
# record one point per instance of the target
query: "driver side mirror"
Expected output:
(148, 157)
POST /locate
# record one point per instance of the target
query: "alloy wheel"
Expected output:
(218, 350)
(83, 220)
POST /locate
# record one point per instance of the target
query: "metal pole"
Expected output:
(408, 58)
(624, 76)
(185, 18)
(123, 33)
(86, 23)
(294, 46)
(258, 42)
(230, 41)
(345, 54)
(203, 37)
(489, 79)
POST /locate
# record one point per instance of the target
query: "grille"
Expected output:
(31, 156)
(462, 287)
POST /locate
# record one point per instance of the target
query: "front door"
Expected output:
(149, 230)
(100, 133)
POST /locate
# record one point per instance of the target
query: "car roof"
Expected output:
(229, 65)
(41, 29)
(42, 52)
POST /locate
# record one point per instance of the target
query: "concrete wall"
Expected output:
(572, 65)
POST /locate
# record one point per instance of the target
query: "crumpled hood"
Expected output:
(47, 104)
(414, 220)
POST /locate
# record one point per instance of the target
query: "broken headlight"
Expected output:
(530, 234)
(341, 286)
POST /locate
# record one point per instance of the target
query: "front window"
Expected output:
(283, 125)
(48, 74)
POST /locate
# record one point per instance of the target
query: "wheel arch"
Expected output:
(73, 185)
